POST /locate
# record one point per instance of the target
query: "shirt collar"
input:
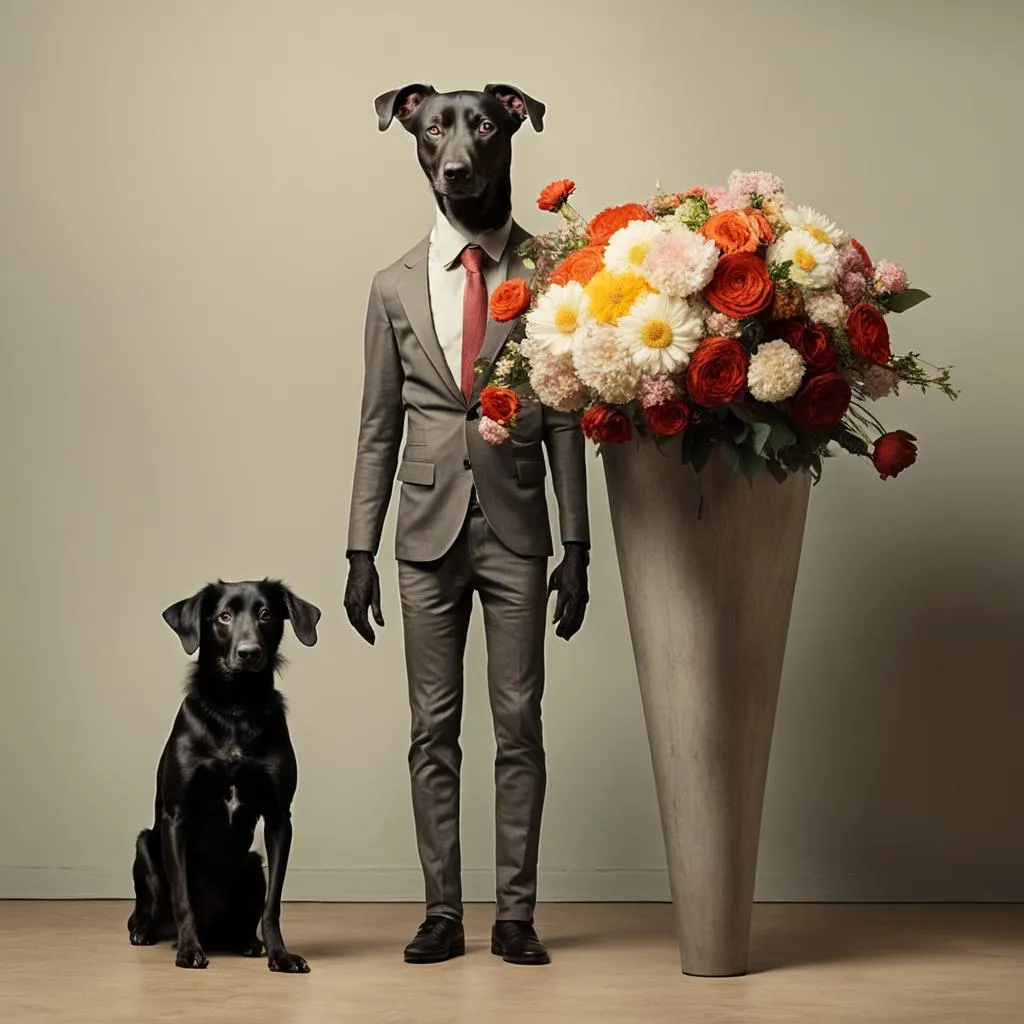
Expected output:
(449, 240)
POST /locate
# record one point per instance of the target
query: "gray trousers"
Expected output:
(437, 601)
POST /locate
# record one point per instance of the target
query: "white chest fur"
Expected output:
(232, 803)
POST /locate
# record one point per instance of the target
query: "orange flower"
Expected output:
(510, 300)
(738, 230)
(741, 286)
(607, 222)
(499, 404)
(552, 197)
(579, 266)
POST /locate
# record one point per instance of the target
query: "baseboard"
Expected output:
(557, 885)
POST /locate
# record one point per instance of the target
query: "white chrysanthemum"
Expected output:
(813, 264)
(557, 319)
(775, 372)
(627, 248)
(661, 333)
(605, 364)
(553, 378)
(826, 308)
(817, 225)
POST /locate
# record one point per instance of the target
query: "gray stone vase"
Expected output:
(708, 602)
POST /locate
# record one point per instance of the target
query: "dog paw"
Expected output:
(192, 958)
(251, 948)
(288, 963)
(141, 937)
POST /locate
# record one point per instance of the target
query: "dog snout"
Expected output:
(248, 654)
(456, 173)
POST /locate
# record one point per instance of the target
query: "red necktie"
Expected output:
(474, 315)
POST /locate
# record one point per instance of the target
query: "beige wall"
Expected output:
(193, 198)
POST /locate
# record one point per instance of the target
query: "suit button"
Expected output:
(471, 415)
(466, 464)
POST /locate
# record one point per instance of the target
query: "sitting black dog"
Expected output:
(228, 761)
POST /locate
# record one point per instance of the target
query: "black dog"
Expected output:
(464, 145)
(228, 761)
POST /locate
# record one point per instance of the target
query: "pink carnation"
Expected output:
(852, 287)
(680, 262)
(554, 380)
(880, 381)
(718, 325)
(716, 195)
(754, 183)
(889, 277)
(656, 391)
(492, 431)
(849, 260)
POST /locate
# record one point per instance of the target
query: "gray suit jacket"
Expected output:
(407, 376)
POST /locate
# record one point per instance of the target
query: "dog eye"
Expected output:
(434, 130)
(486, 127)
(225, 616)
(264, 615)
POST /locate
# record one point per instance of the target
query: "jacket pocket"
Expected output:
(420, 473)
(531, 471)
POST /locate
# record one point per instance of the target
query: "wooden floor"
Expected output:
(71, 962)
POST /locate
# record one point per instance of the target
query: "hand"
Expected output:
(569, 581)
(362, 594)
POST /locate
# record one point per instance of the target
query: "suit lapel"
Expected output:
(498, 333)
(414, 293)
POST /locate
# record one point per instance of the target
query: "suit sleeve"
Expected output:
(566, 449)
(380, 428)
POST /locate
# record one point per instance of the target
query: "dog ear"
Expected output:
(519, 105)
(401, 103)
(303, 615)
(185, 618)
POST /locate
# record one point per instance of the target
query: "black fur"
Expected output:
(464, 145)
(227, 762)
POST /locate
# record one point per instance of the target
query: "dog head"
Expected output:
(237, 627)
(464, 138)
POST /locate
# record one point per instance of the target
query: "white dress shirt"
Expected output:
(446, 279)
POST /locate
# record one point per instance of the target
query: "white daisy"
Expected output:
(627, 248)
(558, 318)
(817, 225)
(660, 332)
(775, 372)
(813, 264)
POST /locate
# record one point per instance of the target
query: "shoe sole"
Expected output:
(498, 950)
(451, 954)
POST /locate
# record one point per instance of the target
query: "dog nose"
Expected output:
(456, 174)
(247, 652)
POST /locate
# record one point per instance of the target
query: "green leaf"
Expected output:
(751, 464)
(902, 301)
(528, 263)
(851, 442)
(783, 436)
(777, 470)
(731, 454)
(780, 271)
(741, 435)
(759, 436)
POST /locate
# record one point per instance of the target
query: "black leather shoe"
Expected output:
(516, 943)
(439, 939)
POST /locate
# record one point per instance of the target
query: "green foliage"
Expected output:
(902, 301)
(779, 271)
(913, 371)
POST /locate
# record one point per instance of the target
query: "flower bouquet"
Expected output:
(730, 316)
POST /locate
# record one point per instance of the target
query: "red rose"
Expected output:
(553, 197)
(668, 419)
(893, 453)
(717, 372)
(741, 286)
(813, 342)
(869, 334)
(499, 404)
(605, 425)
(822, 402)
